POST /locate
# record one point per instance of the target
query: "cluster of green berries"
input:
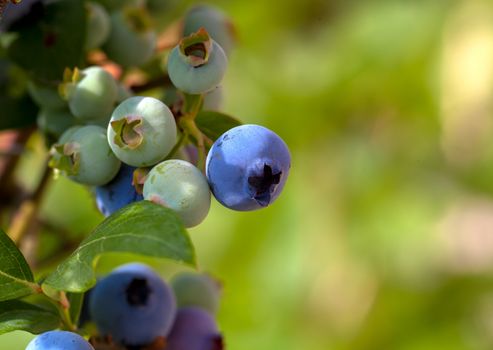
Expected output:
(134, 307)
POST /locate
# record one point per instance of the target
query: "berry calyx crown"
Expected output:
(196, 48)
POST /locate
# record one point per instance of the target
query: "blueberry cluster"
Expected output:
(132, 147)
(133, 308)
(246, 168)
(129, 146)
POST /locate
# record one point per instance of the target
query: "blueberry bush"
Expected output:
(130, 109)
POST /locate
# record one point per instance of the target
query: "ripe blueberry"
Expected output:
(194, 329)
(59, 340)
(197, 65)
(133, 305)
(142, 131)
(247, 167)
(179, 185)
(117, 193)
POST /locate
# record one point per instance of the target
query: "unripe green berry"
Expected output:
(142, 131)
(91, 93)
(83, 155)
(179, 185)
(132, 40)
(198, 64)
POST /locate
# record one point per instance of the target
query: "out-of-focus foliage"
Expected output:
(383, 237)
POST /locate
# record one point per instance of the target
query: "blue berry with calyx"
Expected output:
(117, 193)
(194, 329)
(247, 167)
(83, 154)
(142, 131)
(197, 64)
(59, 340)
(180, 186)
(133, 305)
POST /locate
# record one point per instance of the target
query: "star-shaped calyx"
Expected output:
(138, 292)
(196, 48)
(66, 158)
(128, 132)
(262, 185)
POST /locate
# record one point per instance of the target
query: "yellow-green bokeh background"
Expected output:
(383, 237)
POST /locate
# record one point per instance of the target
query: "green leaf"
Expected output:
(142, 228)
(213, 124)
(50, 37)
(16, 315)
(16, 278)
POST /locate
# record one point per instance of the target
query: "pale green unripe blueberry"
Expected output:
(197, 64)
(142, 131)
(180, 186)
(83, 155)
(98, 25)
(132, 39)
(91, 94)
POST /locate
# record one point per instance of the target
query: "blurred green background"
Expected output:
(383, 237)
